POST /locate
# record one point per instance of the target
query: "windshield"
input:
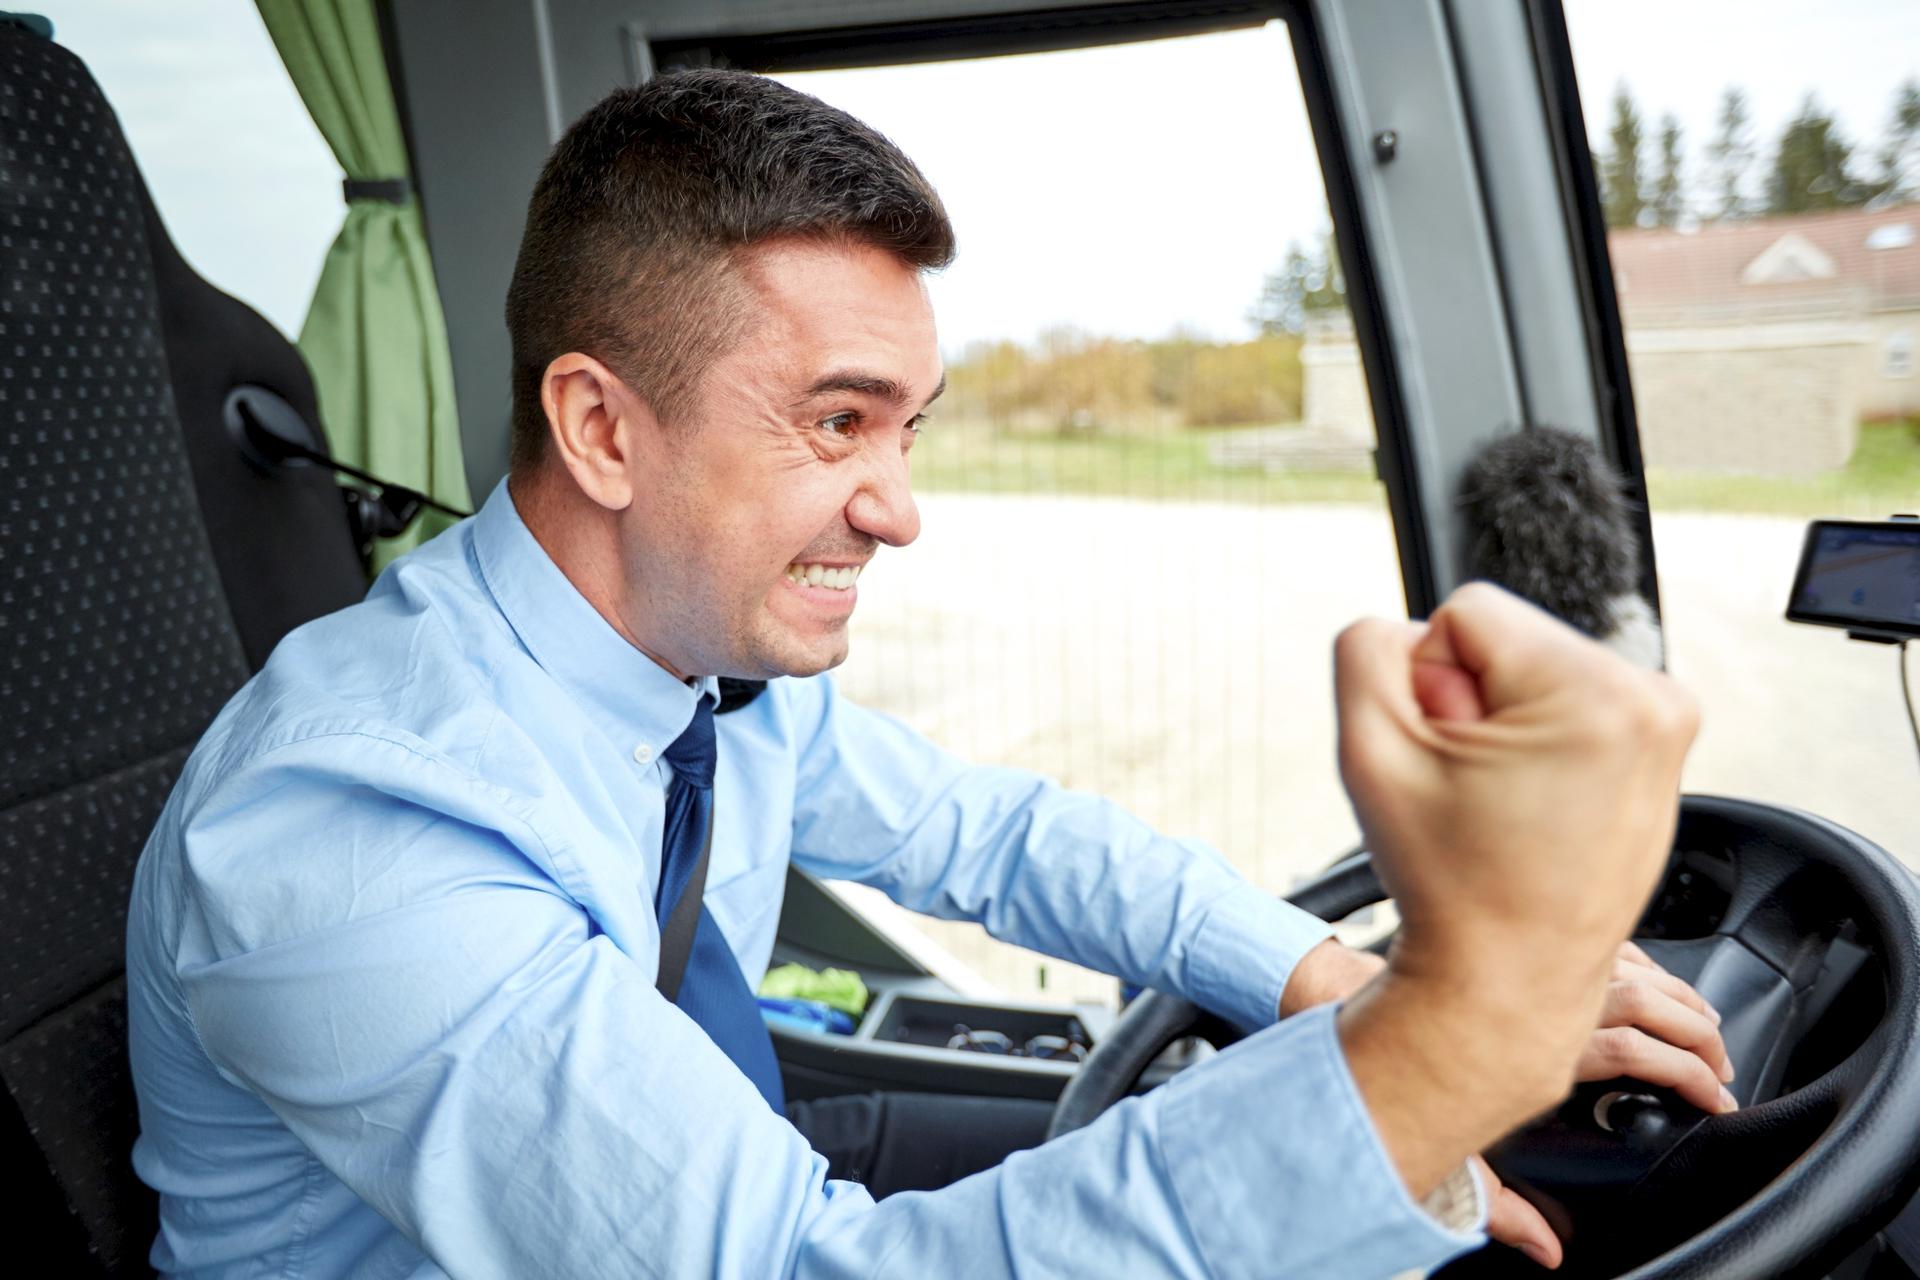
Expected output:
(1760, 167)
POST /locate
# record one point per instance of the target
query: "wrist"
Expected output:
(1446, 1070)
(1538, 973)
(1520, 1037)
(1330, 971)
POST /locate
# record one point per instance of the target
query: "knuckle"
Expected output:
(1679, 990)
(1355, 639)
(1630, 708)
(1476, 595)
(1612, 719)
(1616, 1045)
(1672, 713)
(1644, 712)
(1684, 705)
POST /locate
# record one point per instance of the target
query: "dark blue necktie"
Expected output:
(713, 991)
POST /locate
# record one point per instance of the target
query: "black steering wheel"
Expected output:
(1806, 938)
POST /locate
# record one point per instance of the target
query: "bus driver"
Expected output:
(395, 942)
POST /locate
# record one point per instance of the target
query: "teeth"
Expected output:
(819, 575)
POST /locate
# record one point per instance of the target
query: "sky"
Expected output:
(1127, 190)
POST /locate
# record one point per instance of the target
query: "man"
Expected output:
(403, 942)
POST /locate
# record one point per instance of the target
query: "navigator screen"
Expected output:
(1859, 574)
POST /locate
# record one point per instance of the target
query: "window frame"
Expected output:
(1897, 355)
(1032, 31)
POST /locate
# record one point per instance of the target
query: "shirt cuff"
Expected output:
(1460, 1202)
(1244, 952)
(1274, 1156)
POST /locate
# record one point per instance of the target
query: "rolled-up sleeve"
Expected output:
(394, 973)
(1058, 871)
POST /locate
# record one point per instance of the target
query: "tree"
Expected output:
(1898, 170)
(1730, 154)
(1669, 201)
(1623, 199)
(1811, 165)
(1308, 280)
(992, 380)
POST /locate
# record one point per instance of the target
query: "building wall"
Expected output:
(1883, 396)
(1777, 396)
(1333, 393)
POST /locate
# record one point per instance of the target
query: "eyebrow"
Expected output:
(868, 384)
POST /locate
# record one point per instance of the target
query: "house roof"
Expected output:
(1817, 260)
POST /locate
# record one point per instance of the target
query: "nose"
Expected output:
(883, 507)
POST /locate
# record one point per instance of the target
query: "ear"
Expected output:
(596, 424)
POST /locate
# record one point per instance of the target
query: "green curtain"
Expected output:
(374, 335)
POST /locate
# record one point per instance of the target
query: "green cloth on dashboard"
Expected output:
(837, 988)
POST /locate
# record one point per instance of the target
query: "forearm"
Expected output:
(1058, 871)
(1448, 1067)
(1077, 877)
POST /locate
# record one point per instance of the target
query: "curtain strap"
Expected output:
(387, 190)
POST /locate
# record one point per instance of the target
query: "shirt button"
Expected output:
(643, 754)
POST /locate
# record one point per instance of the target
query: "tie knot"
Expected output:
(692, 754)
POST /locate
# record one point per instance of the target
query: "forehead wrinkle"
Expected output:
(861, 382)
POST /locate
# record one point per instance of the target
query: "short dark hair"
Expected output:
(638, 216)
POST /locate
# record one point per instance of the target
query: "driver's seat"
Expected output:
(146, 569)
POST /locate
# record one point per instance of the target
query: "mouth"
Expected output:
(824, 577)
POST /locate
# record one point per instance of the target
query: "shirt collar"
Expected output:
(630, 698)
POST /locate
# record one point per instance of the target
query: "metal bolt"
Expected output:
(1386, 144)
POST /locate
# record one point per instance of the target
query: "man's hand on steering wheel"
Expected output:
(1653, 1027)
(1658, 1029)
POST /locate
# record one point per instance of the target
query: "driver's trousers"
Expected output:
(916, 1141)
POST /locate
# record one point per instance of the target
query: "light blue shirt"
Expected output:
(391, 979)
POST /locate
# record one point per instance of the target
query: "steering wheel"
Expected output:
(1806, 938)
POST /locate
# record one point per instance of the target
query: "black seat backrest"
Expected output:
(145, 570)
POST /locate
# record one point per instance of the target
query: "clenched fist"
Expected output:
(1518, 786)
(1517, 782)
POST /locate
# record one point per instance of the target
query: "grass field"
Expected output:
(967, 458)
(1883, 476)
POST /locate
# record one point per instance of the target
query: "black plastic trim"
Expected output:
(1593, 268)
(942, 38)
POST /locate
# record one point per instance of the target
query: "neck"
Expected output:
(582, 539)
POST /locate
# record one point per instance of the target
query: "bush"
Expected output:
(1075, 384)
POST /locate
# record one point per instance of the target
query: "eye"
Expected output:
(918, 424)
(840, 424)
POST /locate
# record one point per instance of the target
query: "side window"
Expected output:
(252, 209)
(1762, 198)
(1148, 496)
